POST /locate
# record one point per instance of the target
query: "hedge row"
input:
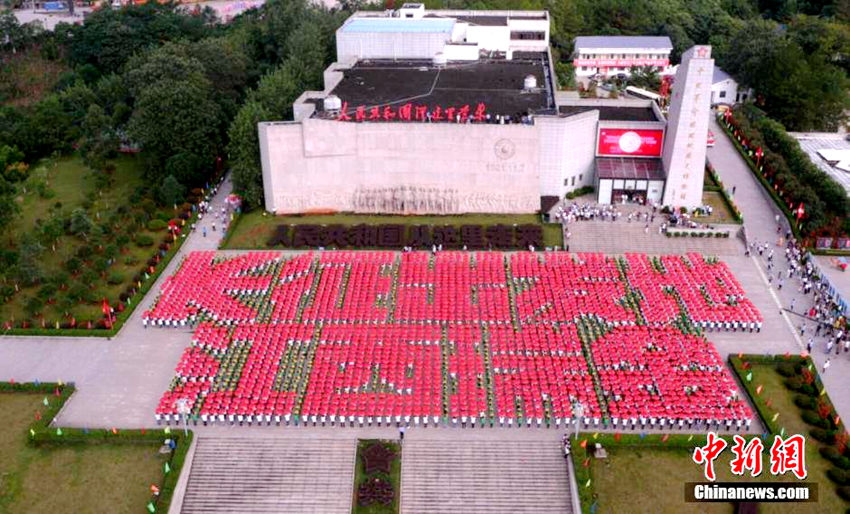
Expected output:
(41, 433)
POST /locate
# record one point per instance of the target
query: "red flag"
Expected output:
(759, 153)
(104, 308)
(617, 437)
(583, 443)
(37, 416)
(801, 211)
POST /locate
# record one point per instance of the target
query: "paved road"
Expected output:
(759, 220)
(119, 381)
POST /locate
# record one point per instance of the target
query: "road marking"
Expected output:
(778, 304)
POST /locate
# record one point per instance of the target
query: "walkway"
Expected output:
(759, 220)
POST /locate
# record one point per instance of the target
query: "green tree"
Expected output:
(81, 224)
(171, 192)
(9, 208)
(28, 270)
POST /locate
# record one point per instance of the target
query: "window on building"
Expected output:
(528, 35)
(581, 175)
(566, 181)
(723, 94)
(573, 182)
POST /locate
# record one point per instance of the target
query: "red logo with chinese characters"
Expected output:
(785, 455)
(625, 142)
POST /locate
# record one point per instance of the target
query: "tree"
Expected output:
(644, 77)
(81, 224)
(9, 208)
(174, 115)
(29, 271)
(171, 192)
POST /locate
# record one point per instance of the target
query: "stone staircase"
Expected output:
(246, 475)
(451, 476)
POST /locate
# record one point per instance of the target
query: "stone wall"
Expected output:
(407, 168)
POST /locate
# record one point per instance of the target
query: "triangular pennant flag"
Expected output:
(143, 431)
(58, 431)
(583, 443)
(32, 433)
(782, 432)
(45, 401)
(56, 392)
(768, 403)
(37, 416)
(151, 507)
(114, 431)
(690, 437)
(764, 436)
(750, 376)
(822, 392)
(596, 436)
(586, 462)
(836, 419)
(775, 416)
(60, 383)
(642, 436)
(587, 484)
(36, 382)
(759, 389)
(166, 468)
(617, 436)
(167, 430)
(665, 437)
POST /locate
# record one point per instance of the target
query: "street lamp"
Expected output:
(578, 412)
(183, 408)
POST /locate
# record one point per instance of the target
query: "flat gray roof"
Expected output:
(658, 42)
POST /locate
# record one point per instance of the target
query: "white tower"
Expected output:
(687, 129)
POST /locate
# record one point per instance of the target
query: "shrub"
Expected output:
(830, 453)
(824, 436)
(842, 462)
(813, 418)
(668, 234)
(144, 241)
(804, 401)
(786, 369)
(115, 278)
(156, 225)
(838, 476)
(844, 492)
(794, 383)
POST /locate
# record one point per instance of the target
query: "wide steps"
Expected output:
(256, 475)
(484, 476)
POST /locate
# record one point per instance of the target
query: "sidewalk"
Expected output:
(759, 220)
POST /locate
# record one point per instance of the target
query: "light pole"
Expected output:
(184, 409)
(578, 412)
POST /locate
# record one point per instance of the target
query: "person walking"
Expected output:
(809, 346)
(401, 431)
(205, 231)
(793, 301)
(825, 366)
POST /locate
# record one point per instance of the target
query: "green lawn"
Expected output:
(635, 479)
(72, 478)
(721, 213)
(54, 189)
(394, 478)
(253, 229)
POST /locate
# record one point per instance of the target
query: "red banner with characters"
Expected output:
(619, 142)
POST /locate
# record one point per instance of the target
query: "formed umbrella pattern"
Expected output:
(460, 337)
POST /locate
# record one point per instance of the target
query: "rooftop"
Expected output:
(612, 113)
(629, 168)
(657, 42)
(719, 75)
(391, 25)
(497, 83)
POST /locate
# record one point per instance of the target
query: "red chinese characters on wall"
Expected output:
(630, 142)
(414, 112)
